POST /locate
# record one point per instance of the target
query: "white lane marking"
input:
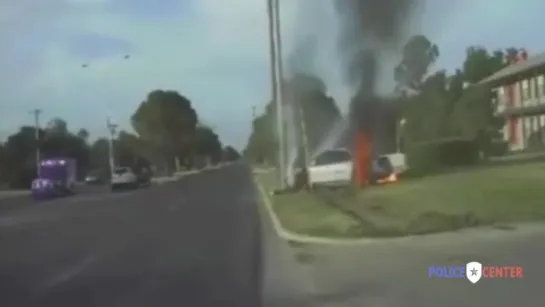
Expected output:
(15, 221)
(69, 273)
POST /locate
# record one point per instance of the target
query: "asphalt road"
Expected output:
(395, 273)
(196, 242)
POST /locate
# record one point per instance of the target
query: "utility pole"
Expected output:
(275, 92)
(112, 129)
(37, 113)
(281, 92)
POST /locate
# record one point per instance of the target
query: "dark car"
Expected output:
(144, 175)
(381, 168)
(97, 177)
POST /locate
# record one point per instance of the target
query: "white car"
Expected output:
(332, 167)
(335, 168)
(124, 177)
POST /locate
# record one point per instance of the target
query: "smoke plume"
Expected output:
(369, 30)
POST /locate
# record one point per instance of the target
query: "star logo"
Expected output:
(474, 271)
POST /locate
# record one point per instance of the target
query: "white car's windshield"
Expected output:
(333, 156)
(121, 171)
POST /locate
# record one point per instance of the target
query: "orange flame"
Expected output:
(390, 179)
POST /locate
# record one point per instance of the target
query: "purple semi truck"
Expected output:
(57, 178)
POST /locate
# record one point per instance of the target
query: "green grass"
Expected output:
(482, 196)
(304, 213)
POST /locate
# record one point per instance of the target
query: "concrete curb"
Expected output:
(301, 238)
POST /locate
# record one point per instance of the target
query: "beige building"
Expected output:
(519, 90)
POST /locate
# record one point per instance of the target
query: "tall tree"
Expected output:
(306, 96)
(83, 134)
(57, 126)
(230, 154)
(206, 143)
(479, 63)
(418, 54)
(165, 119)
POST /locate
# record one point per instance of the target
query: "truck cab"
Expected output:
(56, 177)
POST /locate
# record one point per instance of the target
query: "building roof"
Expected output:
(514, 69)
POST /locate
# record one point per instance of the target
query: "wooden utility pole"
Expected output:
(37, 113)
(112, 128)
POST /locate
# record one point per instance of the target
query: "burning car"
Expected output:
(335, 168)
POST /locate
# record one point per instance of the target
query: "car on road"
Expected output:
(127, 178)
(124, 178)
(97, 177)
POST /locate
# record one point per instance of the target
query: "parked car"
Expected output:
(127, 178)
(124, 178)
(335, 168)
(97, 177)
(331, 168)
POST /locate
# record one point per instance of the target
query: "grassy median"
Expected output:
(482, 196)
(305, 213)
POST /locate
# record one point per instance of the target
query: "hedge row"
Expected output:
(428, 157)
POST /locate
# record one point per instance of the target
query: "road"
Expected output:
(395, 273)
(195, 242)
(201, 241)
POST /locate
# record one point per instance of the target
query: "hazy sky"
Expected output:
(212, 51)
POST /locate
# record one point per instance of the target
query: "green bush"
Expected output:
(497, 149)
(428, 157)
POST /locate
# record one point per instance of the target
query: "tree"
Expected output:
(57, 126)
(83, 134)
(19, 153)
(479, 63)
(20, 157)
(99, 153)
(3, 165)
(306, 96)
(418, 54)
(127, 149)
(165, 120)
(206, 143)
(230, 154)
(262, 144)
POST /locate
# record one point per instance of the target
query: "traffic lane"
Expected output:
(396, 274)
(22, 201)
(193, 242)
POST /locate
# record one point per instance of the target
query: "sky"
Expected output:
(213, 52)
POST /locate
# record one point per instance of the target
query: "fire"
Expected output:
(390, 179)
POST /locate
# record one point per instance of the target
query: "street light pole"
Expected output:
(37, 113)
(275, 92)
(112, 129)
(399, 131)
(281, 92)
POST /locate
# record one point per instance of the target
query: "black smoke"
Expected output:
(368, 28)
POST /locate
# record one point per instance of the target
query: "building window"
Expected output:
(533, 88)
(525, 92)
(541, 88)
